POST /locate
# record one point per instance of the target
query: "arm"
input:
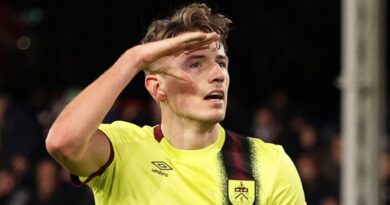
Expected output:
(74, 139)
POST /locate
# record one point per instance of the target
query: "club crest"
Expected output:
(241, 192)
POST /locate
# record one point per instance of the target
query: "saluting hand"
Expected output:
(153, 53)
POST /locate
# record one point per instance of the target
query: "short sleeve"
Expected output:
(120, 134)
(288, 188)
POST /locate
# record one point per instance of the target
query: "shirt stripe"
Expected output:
(236, 154)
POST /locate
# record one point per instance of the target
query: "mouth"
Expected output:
(217, 94)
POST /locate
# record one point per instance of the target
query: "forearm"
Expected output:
(81, 117)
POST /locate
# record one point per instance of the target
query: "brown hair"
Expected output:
(193, 17)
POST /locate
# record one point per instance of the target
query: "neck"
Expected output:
(189, 134)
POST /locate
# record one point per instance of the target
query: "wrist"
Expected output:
(130, 61)
(135, 58)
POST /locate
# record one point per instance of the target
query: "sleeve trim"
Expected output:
(76, 180)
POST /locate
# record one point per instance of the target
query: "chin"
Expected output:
(216, 118)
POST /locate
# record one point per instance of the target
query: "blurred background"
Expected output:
(285, 65)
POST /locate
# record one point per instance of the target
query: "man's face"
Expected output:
(201, 94)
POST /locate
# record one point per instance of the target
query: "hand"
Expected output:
(185, 43)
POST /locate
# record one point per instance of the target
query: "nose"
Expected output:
(217, 74)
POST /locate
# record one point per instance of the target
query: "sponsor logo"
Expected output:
(241, 192)
(161, 167)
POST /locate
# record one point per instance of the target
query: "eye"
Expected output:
(195, 65)
(222, 64)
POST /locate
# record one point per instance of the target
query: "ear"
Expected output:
(152, 84)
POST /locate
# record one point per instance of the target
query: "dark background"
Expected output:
(291, 47)
(284, 69)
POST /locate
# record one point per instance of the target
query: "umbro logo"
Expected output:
(162, 166)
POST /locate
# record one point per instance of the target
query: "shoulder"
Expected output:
(266, 145)
(271, 156)
(121, 131)
(265, 148)
(279, 172)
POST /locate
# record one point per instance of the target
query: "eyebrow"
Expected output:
(196, 57)
(219, 57)
(223, 57)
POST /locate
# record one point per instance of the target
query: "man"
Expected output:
(187, 159)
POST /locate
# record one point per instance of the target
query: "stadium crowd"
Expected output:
(28, 175)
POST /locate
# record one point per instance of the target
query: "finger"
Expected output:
(195, 42)
(198, 44)
(206, 46)
(192, 36)
(188, 51)
(165, 46)
(188, 41)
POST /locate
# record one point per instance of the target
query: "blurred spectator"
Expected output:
(20, 168)
(265, 126)
(20, 131)
(49, 189)
(47, 180)
(81, 195)
(313, 182)
(3, 107)
(280, 105)
(7, 186)
(308, 138)
(53, 187)
(290, 139)
(11, 193)
(130, 109)
(48, 114)
(150, 114)
(331, 160)
(133, 110)
(385, 175)
(330, 201)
